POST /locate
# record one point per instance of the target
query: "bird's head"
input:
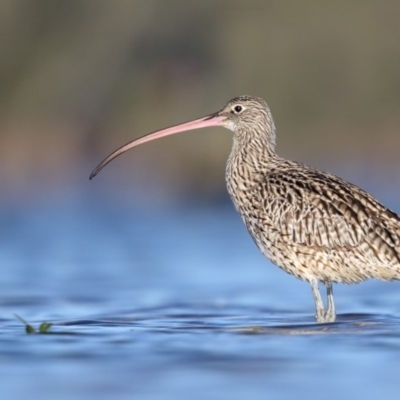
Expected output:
(248, 116)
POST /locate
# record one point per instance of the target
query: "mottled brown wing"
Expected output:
(317, 209)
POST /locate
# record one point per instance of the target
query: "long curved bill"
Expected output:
(210, 120)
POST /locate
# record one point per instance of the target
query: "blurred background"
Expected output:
(80, 78)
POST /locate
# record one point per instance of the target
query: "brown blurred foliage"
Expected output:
(79, 78)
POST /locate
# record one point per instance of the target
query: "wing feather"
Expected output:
(318, 209)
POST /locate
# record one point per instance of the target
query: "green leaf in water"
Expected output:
(45, 327)
(29, 328)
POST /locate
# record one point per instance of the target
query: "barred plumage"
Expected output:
(313, 225)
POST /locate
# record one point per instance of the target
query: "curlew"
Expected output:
(312, 224)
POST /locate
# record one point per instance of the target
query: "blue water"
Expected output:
(175, 303)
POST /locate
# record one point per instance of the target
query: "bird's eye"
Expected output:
(238, 109)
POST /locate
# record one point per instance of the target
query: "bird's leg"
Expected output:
(331, 313)
(320, 314)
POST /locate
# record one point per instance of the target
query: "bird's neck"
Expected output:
(251, 157)
(247, 166)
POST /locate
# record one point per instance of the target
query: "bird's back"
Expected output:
(316, 225)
